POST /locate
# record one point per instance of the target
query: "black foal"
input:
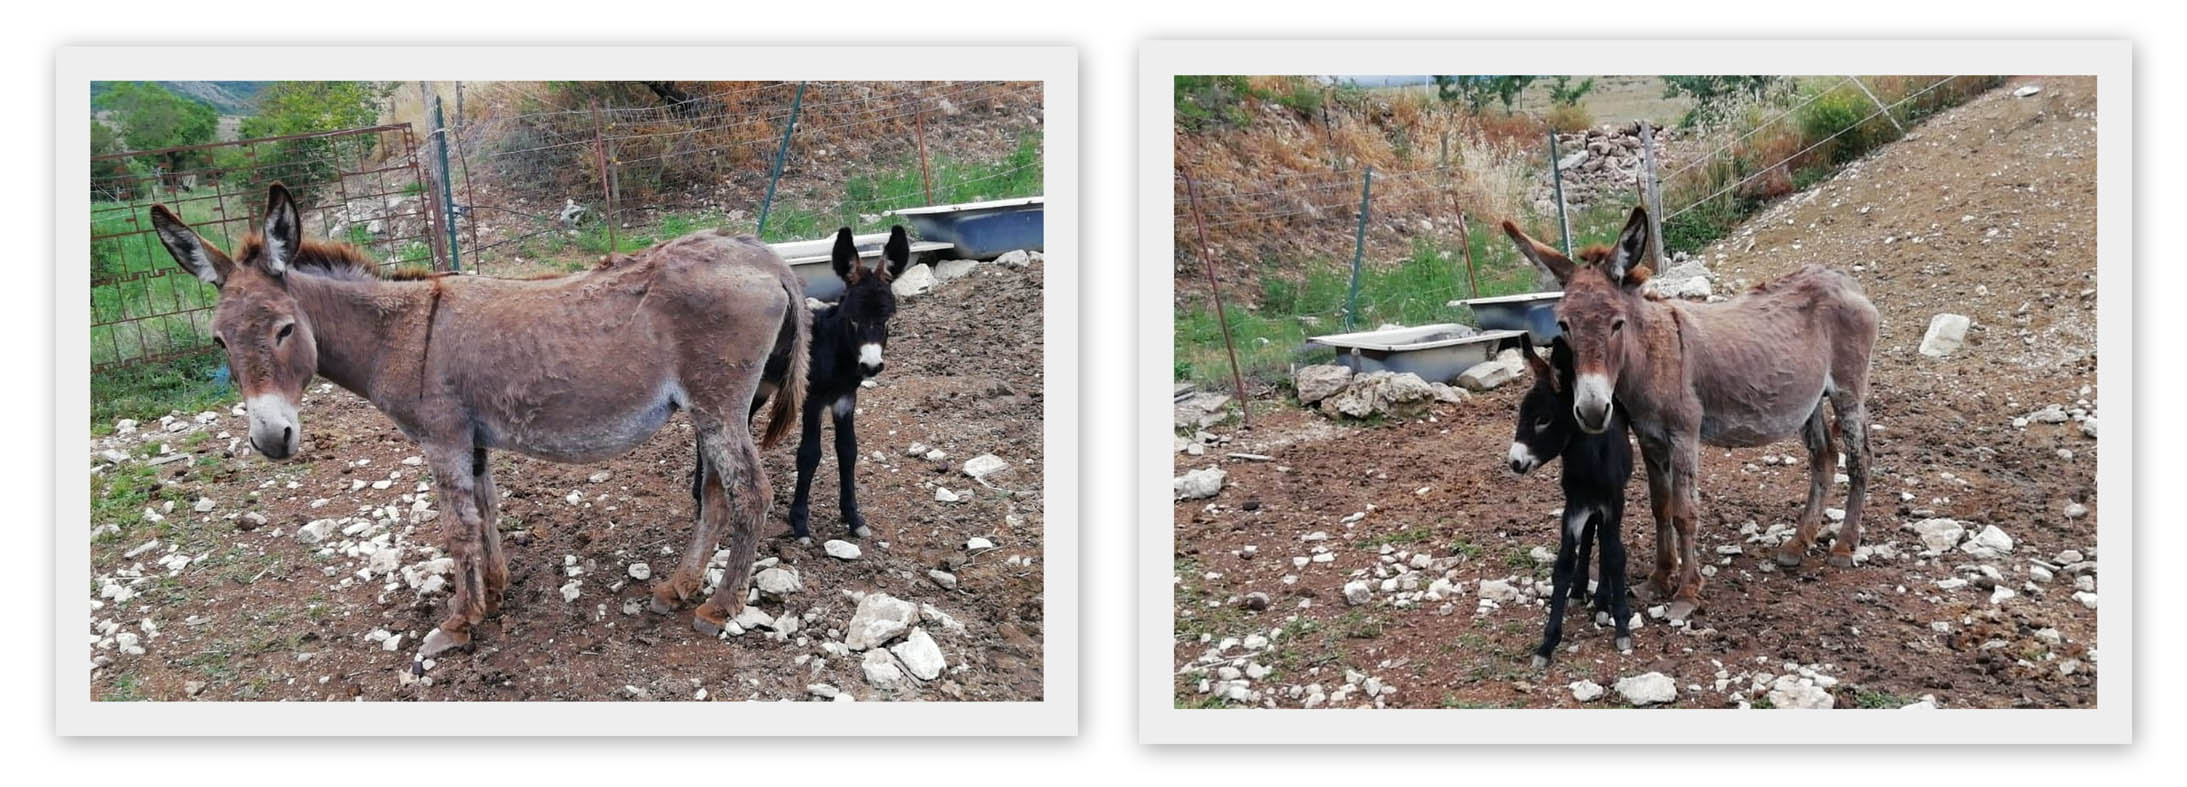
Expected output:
(1596, 468)
(848, 337)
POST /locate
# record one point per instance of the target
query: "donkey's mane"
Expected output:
(326, 258)
(1597, 252)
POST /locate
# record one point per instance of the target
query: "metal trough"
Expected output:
(982, 230)
(814, 260)
(1533, 312)
(1438, 353)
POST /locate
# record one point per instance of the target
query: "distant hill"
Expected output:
(227, 98)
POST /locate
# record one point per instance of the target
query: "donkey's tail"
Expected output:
(795, 339)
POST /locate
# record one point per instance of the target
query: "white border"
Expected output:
(1055, 66)
(2111, 61)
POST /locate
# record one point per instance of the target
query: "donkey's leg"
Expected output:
(1685, 516)
(690, 574)
(808, 460)
(463, 535)
(1656, 460)
(735, 458)
(845, 413)
(1610, 531)
(1853, 431)
(489, 508)
(1560, 579)
(1822, 466)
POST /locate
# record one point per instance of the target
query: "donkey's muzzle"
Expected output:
(275, 430)
(869, 360)
(1591, 403)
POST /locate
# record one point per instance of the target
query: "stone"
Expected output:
(1947, 332)
(880, 670)
(2026, 90)
(571, 590)
(777, 582)
(915, 281)
(1938, 534)
(315, 531)
(1586, 690)
(384, 562)
(920, 655)
(1198, 484)
(1401, 395)
(1796, 693)
(953, 269)
(841, 550)
(985, 465)
(1486, 375)
(880, 618)
(1320, 381)
(1989, 543)
(1018, 258)
(1357, 592)
(2075, 510)
(1498, 590)
(1652, 688)
(942, 579)
(942, 494)
(752, 618)
(640, 571)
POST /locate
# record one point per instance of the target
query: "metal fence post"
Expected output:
(926, 175)
(1359, 246)
(1215, 291)
(607, 188)
(1556, 180)
(447, 192)
(1465, 243)
(782, 151)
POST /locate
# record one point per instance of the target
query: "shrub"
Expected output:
(1569, 118)
(1204, 101)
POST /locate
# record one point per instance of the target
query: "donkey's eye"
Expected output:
(1541, 425)
(283, 334)
(218, 342)
(1617, 325)
(1564, 326)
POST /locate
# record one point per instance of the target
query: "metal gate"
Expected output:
(364, 186)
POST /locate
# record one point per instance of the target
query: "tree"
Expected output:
(1565, 94)
(1475, 90)
(291, 108)
(1714, 94)
(152, 117)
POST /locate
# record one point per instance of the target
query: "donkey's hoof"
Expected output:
(1541, 661)
(655, 605)
(1789, 559)
(704, 626)
(440, 641)
(1681, 610)
(1841, 561)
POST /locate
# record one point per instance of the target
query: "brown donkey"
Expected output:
(1745, 372)
(581, 368)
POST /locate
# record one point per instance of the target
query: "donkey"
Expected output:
(1745, 372)
(848, 339)
(576, 369)
(1596, 467)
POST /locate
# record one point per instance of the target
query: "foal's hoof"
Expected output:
(655, 605)
(1540, 661)
(1625, 645)
(1841, 561)
(804, 541)
(862, 531)
(1789, 559)
(437, 642)
(1681, 610)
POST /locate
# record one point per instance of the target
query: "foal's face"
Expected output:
(1599, 296)
(1545, 424)
(869, 300)
(268, 340)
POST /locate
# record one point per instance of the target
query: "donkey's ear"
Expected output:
(846, 255)
(284, 231)
(1631, 252)
(898, 251)
(1540, 254)
(198, 257)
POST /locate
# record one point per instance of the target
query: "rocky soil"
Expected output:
(1396, 562)
(217, 575)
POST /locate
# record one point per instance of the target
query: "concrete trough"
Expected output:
(814, 260)
(1438, 353)
(982, 230)
(1533, 312)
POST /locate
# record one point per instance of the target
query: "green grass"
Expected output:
(1867, 698)
(147, 391)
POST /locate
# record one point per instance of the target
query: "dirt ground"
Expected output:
(1987, 211)
(229, 603)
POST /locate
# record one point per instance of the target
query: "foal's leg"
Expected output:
(1685, 515)
(808, 460)
(735, 458)
(1612, 593)
(1560, 578)
(1853, 430)
(690, 574)
(846, 463)
(1586, 543)
(1822, 466)
(462, 527)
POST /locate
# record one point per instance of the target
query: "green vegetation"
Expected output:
(289, 108)
(1475, 91)
(1204, 101)
(151, 117)
(1714, 95)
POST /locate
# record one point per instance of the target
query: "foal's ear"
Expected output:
(284, 231)
(1541, 368)
(898, 251)
(1631, 251)
(1540, 254)
(846, 255)
(209, 264)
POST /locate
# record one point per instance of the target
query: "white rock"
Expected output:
(946, 270)
(1357, 592)
(1586, 690)
(879, 619)
(1989, 543)
(915, 280)
(881, 671)
(315, 531)
(640, 571)
(920, 655)
(1498, 590)
(1197, 484)
(1792, 692)
(777, 582)
(841, 550)
(943, 495)
(985, 465)
(1939, 534)
(1320, 381)
(1648, 689)
(1486, 375)
(1946, 333)
(977, 543)
(571, 590)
